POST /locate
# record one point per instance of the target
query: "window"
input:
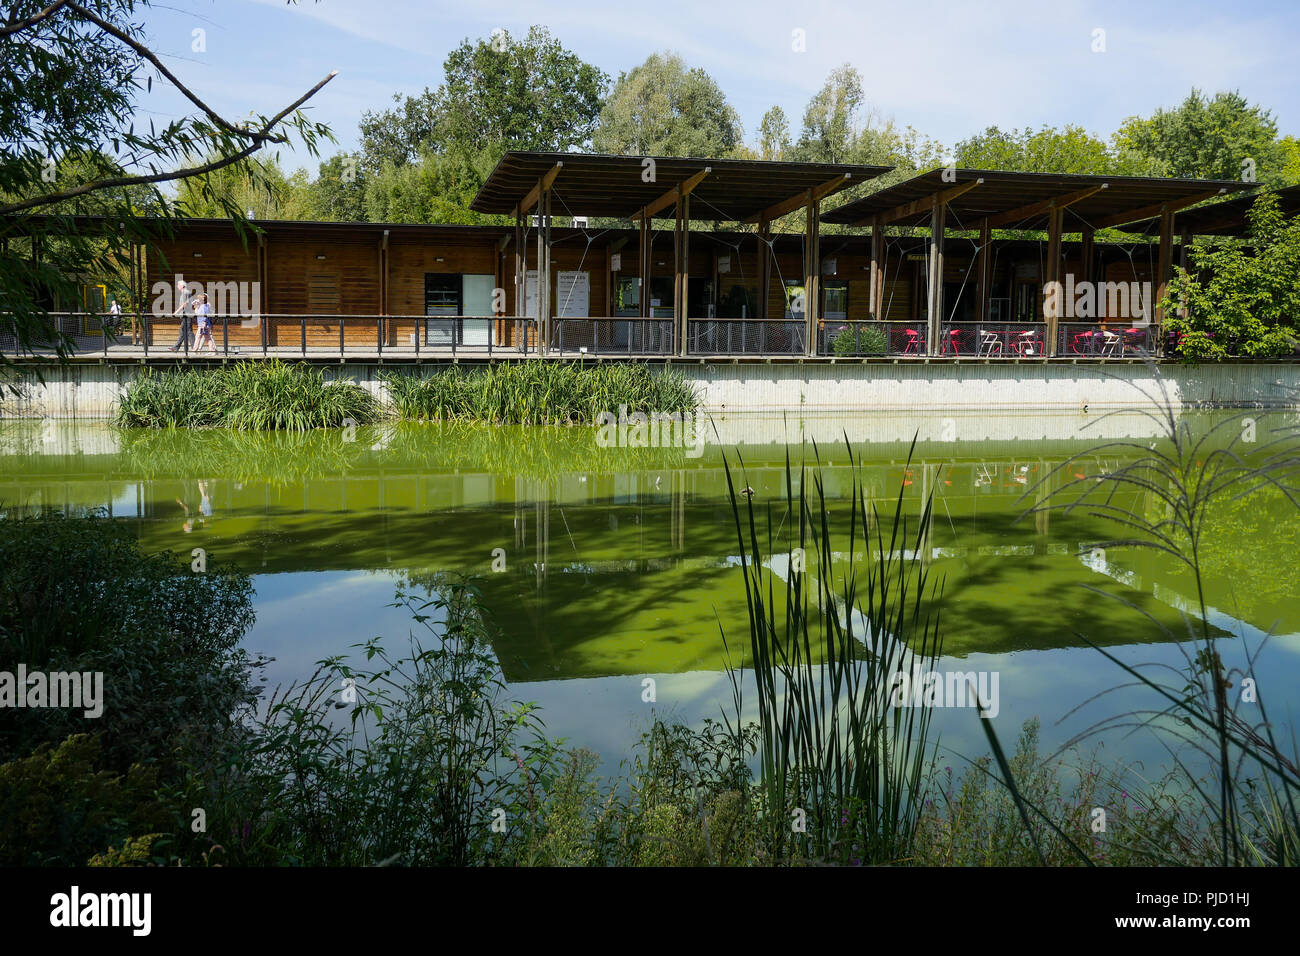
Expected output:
(794, 300)
(837, 299)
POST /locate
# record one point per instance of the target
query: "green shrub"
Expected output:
(77, 594)
(245, 395)
(537, 392)
(58, 806)
(860, 340)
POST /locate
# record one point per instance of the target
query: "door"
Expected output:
(476, 301)
(442, 297)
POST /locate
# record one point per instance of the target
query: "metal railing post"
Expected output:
(342, 343)
(225, 334)
(304, 336)
(379, 334)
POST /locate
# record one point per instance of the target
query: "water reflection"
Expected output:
(620, 562)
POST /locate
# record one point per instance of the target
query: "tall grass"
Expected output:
(537, 393)
(257, 396)
(1253, 802)
(842, 770)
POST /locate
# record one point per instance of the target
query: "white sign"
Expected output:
(724, 264)
(616, 262)
(530, 294)
(572, 295)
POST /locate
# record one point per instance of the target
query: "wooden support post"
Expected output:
(1087, 254)
(1055, 224)
(874, 290)
(544, 270)
(681, 292)
(643, 270)
(985, 277)
(540, 320)
(934, 324)
(1185, 240)
(812, 274)
(764, 268)
(1165, 261)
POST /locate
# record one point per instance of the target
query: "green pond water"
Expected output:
(621, 563)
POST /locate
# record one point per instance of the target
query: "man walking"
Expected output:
(183, 310)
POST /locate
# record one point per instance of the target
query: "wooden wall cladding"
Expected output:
(298, 280)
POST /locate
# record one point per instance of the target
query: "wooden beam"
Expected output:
(873, 298)
(1088, 254)
(812, 273)
(984, 276)
(918, 206)
(1155, 209)
(1046, 205)
(682, 280)
(671, 197)
(1164, 262)
(534, 194)
(800, 200)
(934, 324)
(1055, 223)
(503, 242)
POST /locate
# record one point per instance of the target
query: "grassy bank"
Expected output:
(252, 396)
(537, 393)
(295, 397)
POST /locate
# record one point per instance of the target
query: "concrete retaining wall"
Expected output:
(92, 390)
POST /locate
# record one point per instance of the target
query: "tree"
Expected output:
(69, 75)
(530, 94)
(1242, 298)
(1069, 149)
(256, 186)
(498, 94)
(774, 134)
(1219, 137)
(830, 129)
(338, 194)
(662, 108)
(438, 188)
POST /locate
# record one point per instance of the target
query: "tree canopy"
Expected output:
(664, 108)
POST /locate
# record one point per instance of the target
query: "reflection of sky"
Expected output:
(304, 617)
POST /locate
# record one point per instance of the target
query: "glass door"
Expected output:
(442, 297)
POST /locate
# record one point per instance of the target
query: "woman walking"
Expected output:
(204, 333)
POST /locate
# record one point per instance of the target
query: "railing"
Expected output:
(613, 336)
(746, 337)
(409, 336)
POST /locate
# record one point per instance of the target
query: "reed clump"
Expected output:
(262, 396)
(538, 393)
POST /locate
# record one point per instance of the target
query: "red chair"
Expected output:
(913, 342)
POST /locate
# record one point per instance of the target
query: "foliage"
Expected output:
(1253, 796)
(971, 819)
(1207, 137)
(1070, 149)
(842, 770)
(338, 193)
(1240, 298)
(69, 79)
(860, 340)
(58, 808)
(538, 393)
(256, 186)
(664, 108)
(773, 135)
(78, 594)
(245, 395)
(430, 763)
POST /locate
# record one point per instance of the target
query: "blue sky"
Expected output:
(948, 69)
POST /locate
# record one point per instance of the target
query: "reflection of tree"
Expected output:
(1250, 549)
(285, 457)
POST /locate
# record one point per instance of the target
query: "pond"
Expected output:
(602, 566)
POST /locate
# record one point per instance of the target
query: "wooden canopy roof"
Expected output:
(1228, 218)
(1012, 200)
(590, 184)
